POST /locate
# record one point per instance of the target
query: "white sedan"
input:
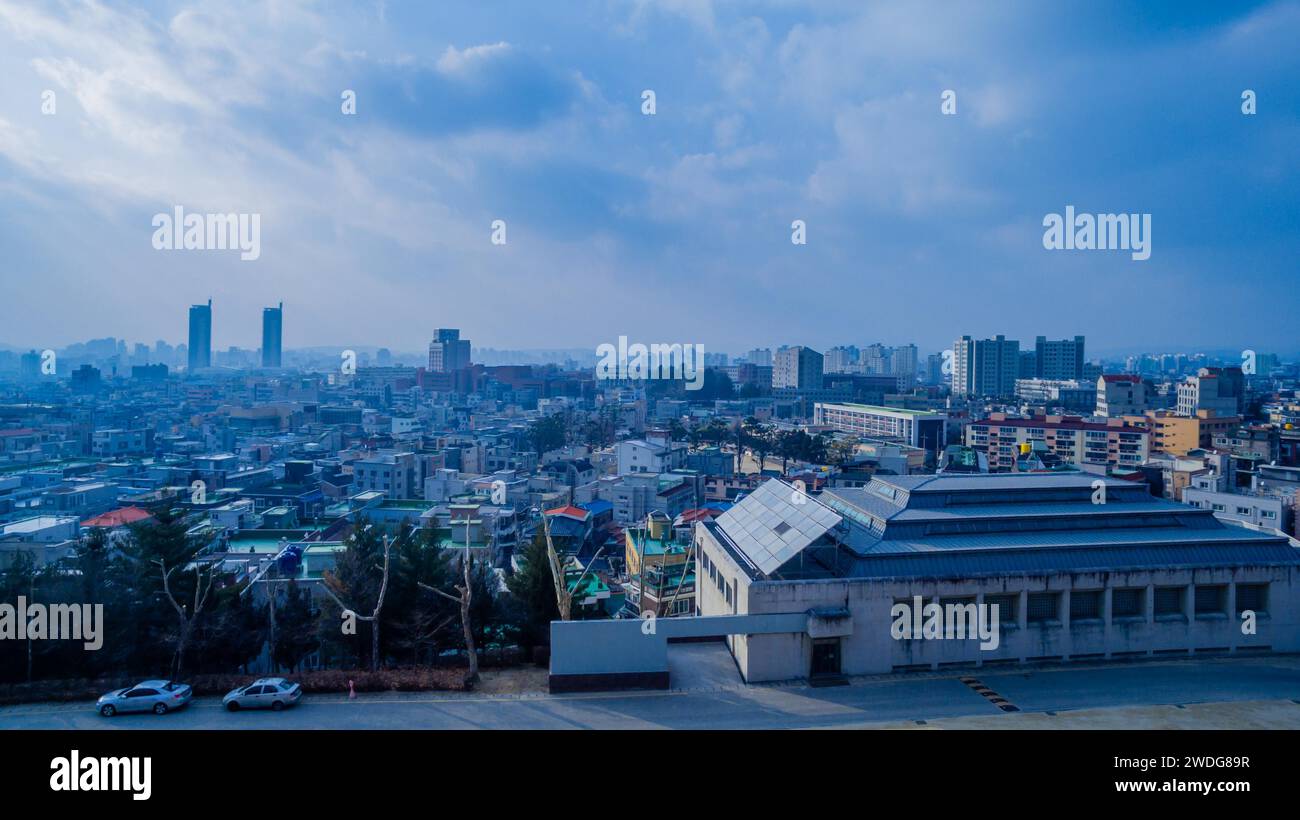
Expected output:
(263, 693)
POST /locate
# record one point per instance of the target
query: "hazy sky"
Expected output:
(376, 228)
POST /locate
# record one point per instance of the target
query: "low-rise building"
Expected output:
(1085, 444)
(1071, 579)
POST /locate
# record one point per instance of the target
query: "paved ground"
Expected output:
(1237, 693)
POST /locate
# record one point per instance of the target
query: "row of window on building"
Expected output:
(1044, 608)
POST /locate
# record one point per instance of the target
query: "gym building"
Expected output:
(1080, 567)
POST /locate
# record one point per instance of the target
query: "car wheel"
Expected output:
(277, 706)
(160, 708)
(107, 710)
(233, 706)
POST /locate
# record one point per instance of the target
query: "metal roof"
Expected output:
(1055, 527)
(775, 522)
(1001, 541)
(1079, 559)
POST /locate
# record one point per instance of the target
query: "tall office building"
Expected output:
(200, 344)
(761, 356)
(799, 368)
(272, 335)
(985, 367)
(447, 351)
(1058, 359)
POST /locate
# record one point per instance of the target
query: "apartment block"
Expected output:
(1081, 443)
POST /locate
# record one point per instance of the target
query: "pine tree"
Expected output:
(534, 590)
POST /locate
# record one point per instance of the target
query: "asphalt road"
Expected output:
(732, 706)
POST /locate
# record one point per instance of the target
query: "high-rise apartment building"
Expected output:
(200, 341)
(985, 367)
(1061, 359)
(448, 352)
(840, 359)
(761, 356)
(797, 367)
(875, 360)
(272, 335)
(904, 361)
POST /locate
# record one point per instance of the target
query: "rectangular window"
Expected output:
(1043, 606)
(1169, 600)
(1085, 605)
(1127, 603)
(1006, 605)
(1253, 597)
(1210, 599)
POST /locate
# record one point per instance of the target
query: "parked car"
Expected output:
(263, 693)
(157, 696)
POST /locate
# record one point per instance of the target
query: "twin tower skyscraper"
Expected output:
(200, 339)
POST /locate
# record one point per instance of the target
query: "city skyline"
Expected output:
(917, 221)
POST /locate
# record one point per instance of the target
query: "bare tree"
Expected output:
(186, 620)
(563, 596)
(330, 582)
(464, 597)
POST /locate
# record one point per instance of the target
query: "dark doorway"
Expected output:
(826, 657)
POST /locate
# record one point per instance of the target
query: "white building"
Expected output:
(1134, 577)
(641, 456)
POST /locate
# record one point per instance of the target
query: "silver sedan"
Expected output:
(263, 693)
(157, 696)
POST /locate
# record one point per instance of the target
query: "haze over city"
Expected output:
(376, 227)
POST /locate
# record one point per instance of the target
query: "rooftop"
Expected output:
(945, 525)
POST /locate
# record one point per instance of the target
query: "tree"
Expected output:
(598, 431)
(563, 594)
(165, 544)
(676, 430)
(233, 630)
(548, 433)
(354, 579)
(841, 451)
(464, 598)
(419, 620)
(758, 437)
(534, 588)
(295, 628)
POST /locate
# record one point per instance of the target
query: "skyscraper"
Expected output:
(200, 344)
(447, 351)
(272, 335)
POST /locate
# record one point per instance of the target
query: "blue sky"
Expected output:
(674, 227)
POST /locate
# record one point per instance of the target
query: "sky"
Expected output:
(920, 226)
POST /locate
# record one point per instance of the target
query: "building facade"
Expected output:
(1081, 443)
(1135, 577)
(985, 367)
